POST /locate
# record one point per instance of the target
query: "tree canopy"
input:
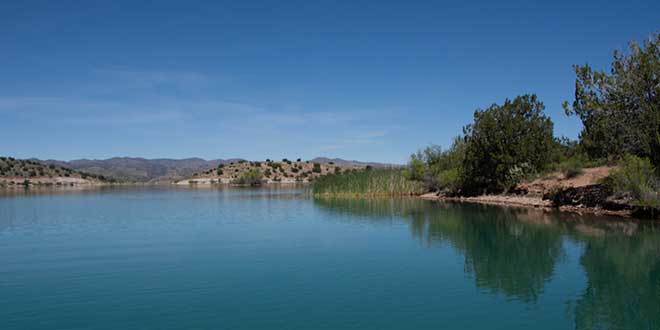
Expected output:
(620, 110)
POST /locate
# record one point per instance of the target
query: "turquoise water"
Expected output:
(164, 258)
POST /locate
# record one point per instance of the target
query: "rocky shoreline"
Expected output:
(539, 202)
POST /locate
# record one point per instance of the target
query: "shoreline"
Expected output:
(529, 202)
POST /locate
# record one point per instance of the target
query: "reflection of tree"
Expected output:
(504, 253)
(514, 252)
(623, 283)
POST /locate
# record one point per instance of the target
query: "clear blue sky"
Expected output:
(360, 80)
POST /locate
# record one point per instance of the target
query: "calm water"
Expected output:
(162, 258)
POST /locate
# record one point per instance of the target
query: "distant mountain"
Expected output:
(160, 170)
(141, 169)
(344, 162)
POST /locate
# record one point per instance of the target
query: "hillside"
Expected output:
(141, 169)
(14, 172)
(350, 163)
(284, 171)
(168, 170)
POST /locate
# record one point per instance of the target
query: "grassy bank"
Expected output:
(369, 182)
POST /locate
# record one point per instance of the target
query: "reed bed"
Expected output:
(369, 182)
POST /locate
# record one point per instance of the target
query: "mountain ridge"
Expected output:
(138, 169)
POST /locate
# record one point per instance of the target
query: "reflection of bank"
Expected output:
(513, 251)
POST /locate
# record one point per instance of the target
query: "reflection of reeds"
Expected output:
(372, 182)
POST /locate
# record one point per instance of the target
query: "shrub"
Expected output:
(219, 171)
(438, 170)
(298, 160)
(573, 166)
(514, 136)
(252, 177)
(316, 168)
(638, 177)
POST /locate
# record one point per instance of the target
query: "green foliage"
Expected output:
(438, 170)
(505, 143)
(620, 110)
(220, 171)
(638, 177)
(572, 167)
(385, 182)
(316, 168)
(252, 177)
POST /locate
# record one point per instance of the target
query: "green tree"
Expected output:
(438, 169)
(252, 177)
(620, 110)
(506, 143)
(316, 168)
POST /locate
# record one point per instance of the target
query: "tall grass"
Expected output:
(369, 182)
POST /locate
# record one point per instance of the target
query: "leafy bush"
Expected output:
(316, 168)
(438, 170)
(571, 167)
(252, 177)
(638, 177)
(503, 140)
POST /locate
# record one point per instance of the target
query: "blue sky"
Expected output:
(367, 80)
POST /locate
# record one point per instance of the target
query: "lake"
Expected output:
(276, 258)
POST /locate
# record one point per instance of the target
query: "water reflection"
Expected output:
(514, 252)
(623, 282)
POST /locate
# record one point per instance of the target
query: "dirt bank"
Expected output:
(583, 194)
